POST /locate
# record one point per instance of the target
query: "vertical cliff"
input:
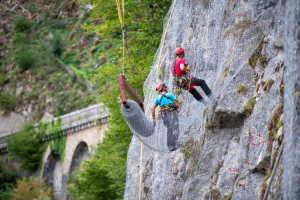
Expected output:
(237, 48)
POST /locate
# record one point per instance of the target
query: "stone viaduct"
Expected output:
(83, 128)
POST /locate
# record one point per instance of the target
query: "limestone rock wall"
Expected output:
(219, 140)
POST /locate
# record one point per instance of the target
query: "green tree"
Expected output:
(144, 26)
(31, 188)
(8, 178)
(25, 147)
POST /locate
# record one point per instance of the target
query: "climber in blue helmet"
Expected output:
(169, 114)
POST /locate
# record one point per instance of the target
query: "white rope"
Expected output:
(123, 32)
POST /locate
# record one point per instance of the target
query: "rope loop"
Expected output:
(259, 137)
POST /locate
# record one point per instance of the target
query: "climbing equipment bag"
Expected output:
(182, 81)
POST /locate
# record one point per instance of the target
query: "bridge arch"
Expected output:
(52, 172)
(80, 154)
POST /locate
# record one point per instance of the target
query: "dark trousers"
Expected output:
(202, 84)
(170, 119)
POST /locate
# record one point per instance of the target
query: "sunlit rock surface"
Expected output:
(213, 34)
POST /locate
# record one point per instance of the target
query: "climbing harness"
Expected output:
(167, 107)
(182, 81)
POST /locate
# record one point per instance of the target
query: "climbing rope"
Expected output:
(121, 14)
(121, 17)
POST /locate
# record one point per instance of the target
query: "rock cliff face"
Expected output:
(237, 48)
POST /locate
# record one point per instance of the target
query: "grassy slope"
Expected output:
(46, 85)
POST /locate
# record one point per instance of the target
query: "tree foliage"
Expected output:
(106, 171)
(25, 147)
(8, 178)
(30, 188)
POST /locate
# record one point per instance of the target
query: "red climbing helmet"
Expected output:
(160, 87)
(179, 50)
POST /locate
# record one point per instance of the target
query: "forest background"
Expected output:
(33, 53)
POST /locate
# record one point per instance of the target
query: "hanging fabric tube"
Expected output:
(136, 119)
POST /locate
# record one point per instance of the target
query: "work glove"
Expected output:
(154, 121)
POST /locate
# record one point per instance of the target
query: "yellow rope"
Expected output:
(121, 18)
(165, 37)
(150, 98)
(142, 151)
(141, 169)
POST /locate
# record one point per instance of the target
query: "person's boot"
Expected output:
(210, 97)
(203, 101)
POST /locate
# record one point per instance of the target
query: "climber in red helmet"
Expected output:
(179, 73)
(169, 114)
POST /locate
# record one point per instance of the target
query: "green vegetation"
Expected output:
(274, 123)
(280, 123)
(248, 108)
(107, 169)
(213, 194)
(21, 24)
(239, 27)
(7, 101)
(256, 56)
(227, 196)
(209, 125)
(242, 89)
(268, 85)
(8, 178)
(25, 147)
(33, 49)
(205, 3)
(58, 144)
(3, 79)
(31, 188)
(190, 148)
(57, 45)
(24, 59)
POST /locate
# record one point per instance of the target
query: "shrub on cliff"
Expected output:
(21, 24)
(7, 101)
(24, 59)
(57, 45)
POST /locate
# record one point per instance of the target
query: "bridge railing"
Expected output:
(72, 122)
